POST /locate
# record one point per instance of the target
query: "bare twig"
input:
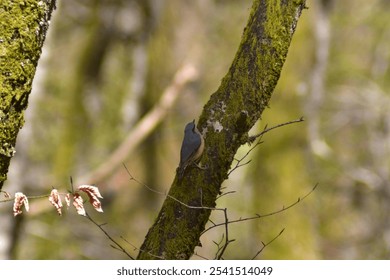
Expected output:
(211, 221)
(225, 193)
(266, 244)
(200, 256)
(8, 199)
(254, 137)
(227, 240)
(259, 136)
(258, 216)
(219, 247)
(117, 245)
(138, 249)
(169, 196)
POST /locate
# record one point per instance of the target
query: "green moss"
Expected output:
(23, 25)
(20, 45)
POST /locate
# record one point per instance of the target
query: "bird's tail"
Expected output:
(180, 172)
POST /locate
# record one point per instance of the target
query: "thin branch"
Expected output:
(218, 244)
(254, 137)
(200, 256)
(136, 248)
(169, 196)
(144, 127)
(258, 216)
(30, 197)
(226, 193)
(71, 183)
(227, 241)
(266, 244)
(117, 245)
(259, 136)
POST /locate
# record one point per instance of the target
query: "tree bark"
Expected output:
(23, 27)
(230, 113)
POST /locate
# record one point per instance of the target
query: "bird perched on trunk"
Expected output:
(191, 148)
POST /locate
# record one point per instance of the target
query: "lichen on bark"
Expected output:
(23, 27)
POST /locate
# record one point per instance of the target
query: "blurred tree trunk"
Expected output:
(317, 82)
(85, 89)
(23, 28)
(160, 68)
(225, 121)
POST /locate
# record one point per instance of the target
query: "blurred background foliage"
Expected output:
(106, 63)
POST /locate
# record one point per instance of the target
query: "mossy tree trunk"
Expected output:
(23, 27)
(232, 110)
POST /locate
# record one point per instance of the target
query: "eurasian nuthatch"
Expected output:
(191, 148)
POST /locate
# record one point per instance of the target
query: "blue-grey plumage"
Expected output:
(191, 148)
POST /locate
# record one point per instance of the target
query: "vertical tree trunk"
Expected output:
(23, 27)
(225, 121)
